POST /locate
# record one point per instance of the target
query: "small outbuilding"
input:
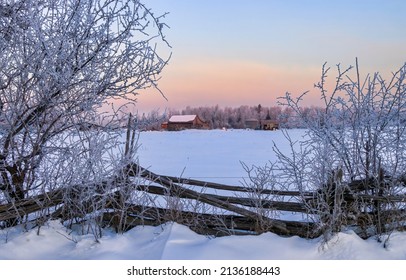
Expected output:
(269, 125)
(252, 124)
(181, 122)
(261, 125)
(164, 125)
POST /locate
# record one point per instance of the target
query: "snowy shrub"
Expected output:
(353, 153)
(61, 64)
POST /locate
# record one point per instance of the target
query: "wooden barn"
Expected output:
(181, 122)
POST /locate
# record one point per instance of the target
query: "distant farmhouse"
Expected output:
(262, 124)
(181, 122)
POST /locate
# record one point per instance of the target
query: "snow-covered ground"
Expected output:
(213, 156)
(176, 242)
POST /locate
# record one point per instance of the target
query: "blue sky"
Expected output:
(234, 52)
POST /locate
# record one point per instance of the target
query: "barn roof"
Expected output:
(183, 118)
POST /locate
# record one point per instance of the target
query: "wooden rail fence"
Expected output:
(240, 213)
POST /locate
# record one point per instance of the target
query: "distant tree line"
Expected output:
(230, 117)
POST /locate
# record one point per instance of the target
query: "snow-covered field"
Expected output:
(214, 155)
(209, 155)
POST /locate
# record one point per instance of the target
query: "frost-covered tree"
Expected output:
(353, 153)
(61, 61)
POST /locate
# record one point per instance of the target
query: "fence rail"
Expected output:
(242, 213)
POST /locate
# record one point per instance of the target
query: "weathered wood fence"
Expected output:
(240, 212)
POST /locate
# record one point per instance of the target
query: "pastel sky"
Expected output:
(240, 52)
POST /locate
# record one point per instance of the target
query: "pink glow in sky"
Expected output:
(235, 52)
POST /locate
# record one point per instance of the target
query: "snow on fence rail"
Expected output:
(241, 214)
